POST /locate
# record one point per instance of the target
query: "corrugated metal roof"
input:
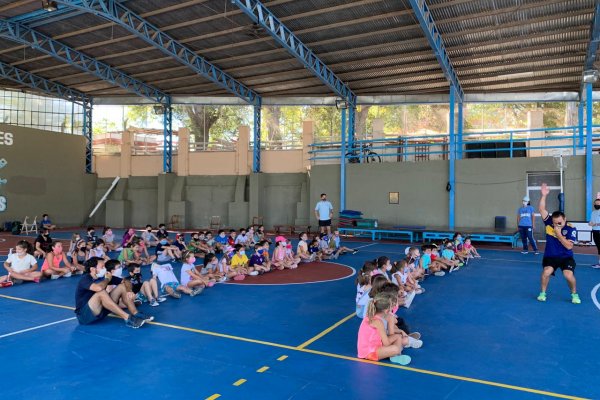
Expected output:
(376, 46)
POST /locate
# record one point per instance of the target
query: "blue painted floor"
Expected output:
(481, 323)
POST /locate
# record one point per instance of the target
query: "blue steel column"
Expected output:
(256, 149)
(87, 133)
(580, 121)
(168, 137)
(351, 126)
(451, 160)
(588, 152)
(459, 147)
(343, 163)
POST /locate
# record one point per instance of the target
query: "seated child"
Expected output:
(220, 241)
(46, 223)
(363, 287)
(448, 254)
(429, 265)
(239, 262)
(290, 256)
(326, 252)
(189, 276)
(91, 235)
(231, 237)
(302, 249)
(413, 259)
(210, 269)
(73, 243)
(145, 291)
(258, 261)
(128, 238)
(469, 249)
(52, 263)
(149, 238)
(225, 265)
(169, 283)
(42, 244)
(109, 240)
(79, 255)
(180, 243)
(21, 266)
(313, 248)
(336, 245)
(373, 341)
(166, 252)
(242, 238)
(162, 233)
(97, 250)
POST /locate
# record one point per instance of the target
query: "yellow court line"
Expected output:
(326, 331)
(339, 356)
(239, 382)
(262, 369)
(36, 302)
(214, 396)
(282, 358)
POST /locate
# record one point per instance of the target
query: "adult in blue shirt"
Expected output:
(324, 213)
(525, 222)
(560, 238)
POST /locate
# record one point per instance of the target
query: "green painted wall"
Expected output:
(45, 174)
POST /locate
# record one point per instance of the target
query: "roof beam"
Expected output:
(592, 50)
(434, 37)
(35, 82)
(286, 38)
(22, 34)
(142, 29)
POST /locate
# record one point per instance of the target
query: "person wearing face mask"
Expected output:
(595, 224)
(525, 222)
(189, 275)
(79, 255)
(91, 235)
(239, 261)
(55, 258)
(258, 261)
(42, 244)
(149, 238)
(560, 239)
(220, 241)
(21, 266)
(166, 252)
(93, 303)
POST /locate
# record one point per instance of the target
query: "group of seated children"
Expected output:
(382, 287)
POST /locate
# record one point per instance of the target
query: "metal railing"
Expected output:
(212, 146)
(510, 143)
(284, 144)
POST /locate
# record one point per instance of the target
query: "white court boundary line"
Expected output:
(366, 245)
(594, 299)
(37, 327)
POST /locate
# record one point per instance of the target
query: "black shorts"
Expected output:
(565, 264)
(324, 222)
(86, 315)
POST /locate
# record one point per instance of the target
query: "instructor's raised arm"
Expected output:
(542, 206)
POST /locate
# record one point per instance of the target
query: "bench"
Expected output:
(511, 237)
(291, 229)
(378, 233)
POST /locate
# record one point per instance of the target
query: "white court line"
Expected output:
(366, 245)
(36, 327)
(594, 299)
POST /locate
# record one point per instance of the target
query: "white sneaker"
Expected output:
(596, 266)
(253, 273)
(54, 276)
(524, 252)
(439, 273)
(67, 275)
(414, 343)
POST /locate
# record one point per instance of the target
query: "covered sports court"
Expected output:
(417, 118)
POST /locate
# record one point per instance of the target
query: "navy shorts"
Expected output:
(86, 315)
(324, 222)
(565, 264)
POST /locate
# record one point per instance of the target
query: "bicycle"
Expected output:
(363, 154)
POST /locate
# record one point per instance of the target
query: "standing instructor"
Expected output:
(324, 213)
(560, 238)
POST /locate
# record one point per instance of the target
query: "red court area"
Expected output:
(305, 273)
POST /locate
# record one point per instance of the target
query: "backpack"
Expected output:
(16, 228)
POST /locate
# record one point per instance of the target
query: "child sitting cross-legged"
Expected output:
(190, 276)
(239, 262)
(280, 259)
(449, 255)
(429, 263)
(336, 245)
(258, 261)
(313, 249)
(210, 269)
(374, 343)
(145, 291)
(302, 249)
(21, 265)
(326, 252)
(469, 249)
(169, 283)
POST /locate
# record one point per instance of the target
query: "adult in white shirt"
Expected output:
(20, 265)
(324, 213)
(595, 224)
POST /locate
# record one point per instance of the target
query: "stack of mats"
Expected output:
(351, 218)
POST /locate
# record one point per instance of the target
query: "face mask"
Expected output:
(163, 242)
(92, 233)
(118, 271)
(242, 253)
(101, 273)
(222, 235)
(388, 268)
(597, 206)
(261, 251)
(192, 260)
(149, 230)
(524, 204)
